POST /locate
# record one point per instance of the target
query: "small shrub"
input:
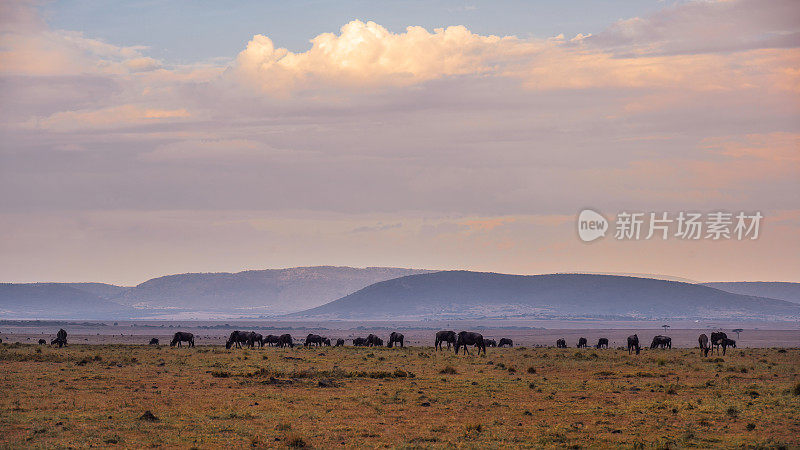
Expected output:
(733, 412)
(283, 426)
(220, 374)
(796, 389)
(751, 426)
(295, 441)
(449, 370)
(531, 370)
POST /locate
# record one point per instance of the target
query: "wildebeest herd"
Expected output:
(462, 340)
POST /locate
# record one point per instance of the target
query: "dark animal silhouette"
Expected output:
(257, 338)
(582, 342)
(271, 340)
(490, 342)
(154, 341)
(395, 338)
(602, 343)
(42, 342)
(339, 343)
(239, 338)
(716, 340)
(285, 340)
(182, 336)
(326, 342)
(360, 342)
(61, 338)
(505, 342)
(727, 343)
(703, 342)
(313, 339)
(374, 341)
(661, 342)
(466, 338)
(561, 343)
(445, 336)
(633, 344)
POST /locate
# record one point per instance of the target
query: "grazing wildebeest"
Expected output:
(490, 342)
(716, 340)
(661, 342)
(727, 343)
(506, 342)
(466, 338)
(703, 341)
(326, 342)
(582, 342)
(394, 338)
(339, 343)
(57, 341)
(42, 342)
(360, 342)
(313, 339)
(154, 341)
(374, 341)
(561, 343)
(239, 338)
(271, 340)
(445, 336)
(182, 336)
(256, 338)
(285, 341)
(602, 343)
(633, 343)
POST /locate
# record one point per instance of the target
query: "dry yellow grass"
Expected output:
(205, 397)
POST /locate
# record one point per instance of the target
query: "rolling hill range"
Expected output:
(250, 293)
(462, 294)
(59, 301)
(772, 289)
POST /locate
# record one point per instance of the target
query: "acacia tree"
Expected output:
(737, 331)
(665, 327)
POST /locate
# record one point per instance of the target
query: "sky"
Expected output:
(145, 138)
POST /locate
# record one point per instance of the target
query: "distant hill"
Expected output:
(462, 294)
(255, 292)
(772, 289)
(58, 301)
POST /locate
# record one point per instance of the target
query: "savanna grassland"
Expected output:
(95, 395)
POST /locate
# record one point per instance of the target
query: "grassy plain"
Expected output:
(94, 395)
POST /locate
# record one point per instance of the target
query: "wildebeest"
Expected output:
(374, 341)
(633, 343)
(395, 338)
(561, 343)
(42, 342)
(505, 342)
(256, 338)
(339, 343)
(727, 343)
(466, 338)
(61, 338)
(239, 338)
(360, 342)
(703, 342)
(285, 340)
(716, 340)
(582, 342)
(490, 342)
(445, 336)
(182, 336)
(313, 339)
(271, 340)
(661, 342)
(326, 342)
(602, 343)
(154, 341)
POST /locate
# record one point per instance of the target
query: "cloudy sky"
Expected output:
(153, 137)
